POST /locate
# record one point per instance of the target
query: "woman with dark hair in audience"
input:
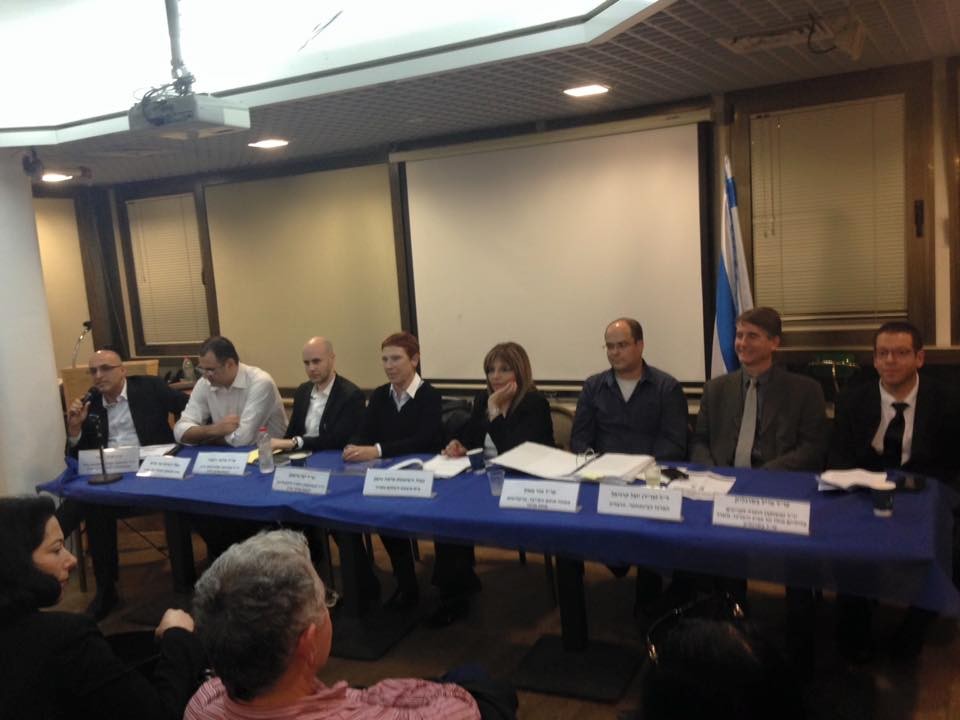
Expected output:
(56, 664)
(510, 411)
(402, 417)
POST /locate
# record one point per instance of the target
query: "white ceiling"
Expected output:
(670, 56)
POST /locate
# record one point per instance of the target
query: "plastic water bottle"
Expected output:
(188, 374)
(264, 451)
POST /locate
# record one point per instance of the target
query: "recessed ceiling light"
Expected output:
(269, 143)
(585, 90)
(55, 177)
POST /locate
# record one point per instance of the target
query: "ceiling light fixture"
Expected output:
(55, 177)
(821, 35)
(586, 90)
(269, 143)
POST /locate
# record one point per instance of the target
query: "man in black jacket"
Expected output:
(118, 411)
(328, 408)
(905, 423)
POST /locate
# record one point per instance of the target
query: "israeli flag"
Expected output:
(733, 285)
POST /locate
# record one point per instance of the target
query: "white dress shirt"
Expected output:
(318, 403)
(408, 394)
(887, 413)
(120, 422)
(253, 396)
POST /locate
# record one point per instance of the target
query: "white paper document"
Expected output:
(446, 467)
(541, 461)
(540, 495)
(615, 467)
(116, 460)
(846, 479)
(703, 485)
(639, 501)
(405, 483)
(155, 450)
(161, 466)
(220, 463)
(762, 513)
(301, 480)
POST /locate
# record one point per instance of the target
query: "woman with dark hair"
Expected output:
(510, 411)
(402, 417)
(55, 664)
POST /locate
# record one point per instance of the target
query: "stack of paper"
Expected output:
(446, 467)
(846, 479)
(615, 467)
(703, 485)
(541, 461)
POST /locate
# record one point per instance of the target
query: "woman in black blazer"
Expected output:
(57, 664)
(509, 412)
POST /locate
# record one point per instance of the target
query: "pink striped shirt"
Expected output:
(406, 699)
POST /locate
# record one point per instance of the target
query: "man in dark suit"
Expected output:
(901, 423)
(118, 411)
(327, 412)
(327, 409)
(761, 415)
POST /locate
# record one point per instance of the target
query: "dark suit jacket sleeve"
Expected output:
(700, 446)
(530, 421)
(341, 417)
(584, 429)
(100, 681)
(844, 435)
(671, 441)
(810, 450)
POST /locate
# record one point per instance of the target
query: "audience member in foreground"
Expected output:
(508, 413)
(403, 417)
(718, 668)
(56, 664)
(263, 619)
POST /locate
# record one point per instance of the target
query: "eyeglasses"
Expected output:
(716, 607)
(897, 353)
(102, 369)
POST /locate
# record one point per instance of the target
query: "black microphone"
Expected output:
(92, 394)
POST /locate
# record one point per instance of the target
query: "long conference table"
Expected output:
(904, 559)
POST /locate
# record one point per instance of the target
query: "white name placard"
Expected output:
(117, 460)
(762, 513)
(552, 495)
(386, 482)
(220, 463)
(161, 466)
(287, 478)
(640, 502)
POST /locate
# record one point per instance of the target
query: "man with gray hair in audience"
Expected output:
(261, 615)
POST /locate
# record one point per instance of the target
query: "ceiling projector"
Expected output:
(188, 117)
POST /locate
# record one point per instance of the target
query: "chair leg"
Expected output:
(325, 539)
(523, 556)
(551, 580)
(415, 546)
(81, 560)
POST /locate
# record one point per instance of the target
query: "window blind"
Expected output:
(828, 210)
(167, 261)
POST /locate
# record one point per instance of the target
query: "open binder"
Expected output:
(555, 464)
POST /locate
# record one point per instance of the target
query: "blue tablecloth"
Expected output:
(904, 559)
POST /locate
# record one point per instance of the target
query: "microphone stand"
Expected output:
(76, 348)
(103, 478)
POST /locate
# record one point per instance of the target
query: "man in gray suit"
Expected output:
(761, 416)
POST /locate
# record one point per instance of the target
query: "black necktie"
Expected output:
(893, 437)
